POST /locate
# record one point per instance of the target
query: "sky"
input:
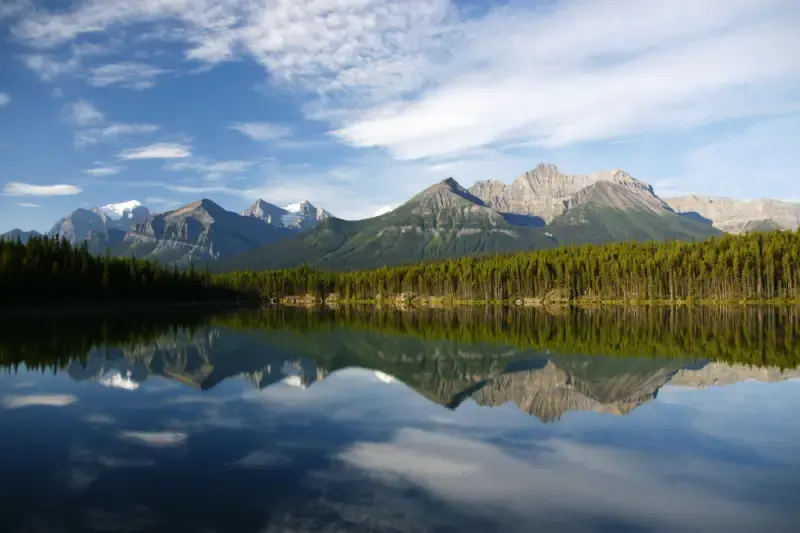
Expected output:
(356, 105)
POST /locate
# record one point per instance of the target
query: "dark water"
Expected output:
(288, 420)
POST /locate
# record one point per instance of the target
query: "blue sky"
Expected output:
(356, 105)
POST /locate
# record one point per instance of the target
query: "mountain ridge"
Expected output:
(541, 208)
(739, 216)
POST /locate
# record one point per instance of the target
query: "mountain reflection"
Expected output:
(545, 385)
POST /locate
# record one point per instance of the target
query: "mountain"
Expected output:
(734, 216)
(443, 221)
(127, 214)
(610, 212)
(16, 233)
(197, 232)
(300, 216)
(545, 191)
(102, 227)
(597, 208)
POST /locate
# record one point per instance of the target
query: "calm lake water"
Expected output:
(354, 420)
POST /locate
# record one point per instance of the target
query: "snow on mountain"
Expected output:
(117, 211)
(295, 208)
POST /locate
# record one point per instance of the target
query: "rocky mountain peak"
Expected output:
(545, 169)
(546, 192)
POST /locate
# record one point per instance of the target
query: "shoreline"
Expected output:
(438, 301)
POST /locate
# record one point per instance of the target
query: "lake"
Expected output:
(388, 420)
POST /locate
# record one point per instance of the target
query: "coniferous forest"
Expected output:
(754, 267)
(50, 270)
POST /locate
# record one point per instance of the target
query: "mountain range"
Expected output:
(541, 208)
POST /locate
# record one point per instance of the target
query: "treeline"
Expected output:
(51, 270)
(752, 335)
(757, 266)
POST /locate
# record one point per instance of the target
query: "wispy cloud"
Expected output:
(425, 78)
(158, 151)
(49, 68)
(92, 127)
(27, 204)
(15, 188)
(262, 131)
(129, 75)
(102, 171)
(212, 170)
(82, 113)
(5, 99)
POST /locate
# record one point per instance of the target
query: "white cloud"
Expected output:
(151, 200)
(32, 400)
(155, 439)
(27, 204)
(129, 75)
(49, 68)
(57, 93)
(92, 127)
(103, 171)
(5, 99)
(422, 78)
(262, 131)
(117, 129)
(663, 65)
(158, 151)
(82, 113)
(26, 189)
(212, 170)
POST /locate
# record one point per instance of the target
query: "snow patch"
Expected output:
(117, 211)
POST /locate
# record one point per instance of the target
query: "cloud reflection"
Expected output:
(43, 400)
(156, 439)
(565, 484)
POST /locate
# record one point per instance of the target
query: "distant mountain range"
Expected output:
(734, 216)
(540, 209)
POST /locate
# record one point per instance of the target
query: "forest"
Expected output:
(51, 270)
(751, 267)
(756, 267)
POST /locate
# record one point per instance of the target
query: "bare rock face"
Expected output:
(734, 216)
(299, 216)
(201, 230)
(546, 192)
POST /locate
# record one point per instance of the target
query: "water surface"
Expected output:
(354, 420)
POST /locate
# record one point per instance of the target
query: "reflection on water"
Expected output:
(289, 420)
